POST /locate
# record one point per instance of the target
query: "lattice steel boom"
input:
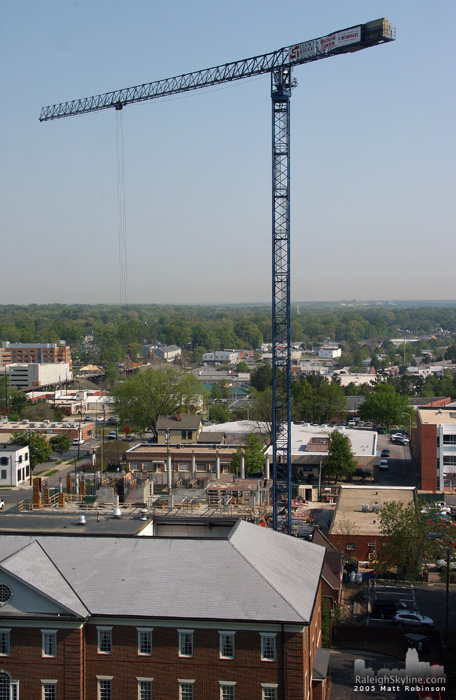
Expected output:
(279, 64)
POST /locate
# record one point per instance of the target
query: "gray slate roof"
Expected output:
(255, 574)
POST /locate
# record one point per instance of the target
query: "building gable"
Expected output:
(37, 584)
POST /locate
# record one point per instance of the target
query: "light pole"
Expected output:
(404, 413)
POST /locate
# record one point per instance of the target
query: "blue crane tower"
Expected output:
(279, 64)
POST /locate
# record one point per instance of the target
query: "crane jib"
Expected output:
(343, 41)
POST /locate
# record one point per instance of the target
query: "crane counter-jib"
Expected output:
(343, 41)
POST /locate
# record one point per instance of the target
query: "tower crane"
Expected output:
(279, 64)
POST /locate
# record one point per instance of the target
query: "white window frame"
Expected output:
(48, 644)
(269, 636)
(183, 467)
(101, 679)
(14, 690)
(148, 632)
(144, 680)
(182, 682)
(5, 635)
(225, 685)
(101, 631)
(50, 684)
(265, 688)
(222, 635)
(183, 634)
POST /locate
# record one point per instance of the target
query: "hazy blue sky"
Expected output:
(372, 153)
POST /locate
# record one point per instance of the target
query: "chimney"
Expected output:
(179, 416)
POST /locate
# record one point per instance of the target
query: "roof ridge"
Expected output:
(62, 575)
(274, 588)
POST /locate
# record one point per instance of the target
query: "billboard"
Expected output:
(316, 47)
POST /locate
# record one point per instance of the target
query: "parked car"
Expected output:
(441, 564)
(415, 619)
(78, 441)
(386, 453)
(362, 472)
(386, 608)
(88, 419)
(399, 439)
(112, 435)
(2, 503)
(384, 465)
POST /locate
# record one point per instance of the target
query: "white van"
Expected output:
(384, 465)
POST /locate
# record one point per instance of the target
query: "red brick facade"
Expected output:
(363, 545)
(78, 663)
(426, 444)
(43, 353)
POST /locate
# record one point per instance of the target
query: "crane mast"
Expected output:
(279, 64)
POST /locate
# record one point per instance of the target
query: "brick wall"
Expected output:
(26, 663)
(78, 663)
(427, 455)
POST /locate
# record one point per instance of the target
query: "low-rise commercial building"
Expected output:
(73, 429)
(355, 528)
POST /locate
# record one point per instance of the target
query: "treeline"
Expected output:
(119, 332)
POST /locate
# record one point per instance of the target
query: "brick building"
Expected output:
(355, 528)
(106, 618)
(73, 429)
(42, 353)
(436, 448)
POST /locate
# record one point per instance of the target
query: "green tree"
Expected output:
(60, 443)
(219, 413)
(242, 367)
(261, 378)
(40, 449)
(332, 401)
(341, 461)
(145, 396)
(254, 456)
(414, 537)
(261, 411)
(41, 410)
(384, 405)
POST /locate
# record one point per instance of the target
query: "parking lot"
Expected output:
(428, 598)
(402, 468)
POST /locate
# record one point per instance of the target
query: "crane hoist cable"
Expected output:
(121, 209)
(279, 65)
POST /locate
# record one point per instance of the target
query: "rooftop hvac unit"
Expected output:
(46, 421)
(365, 507)
(32, 425)
(375, 507)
